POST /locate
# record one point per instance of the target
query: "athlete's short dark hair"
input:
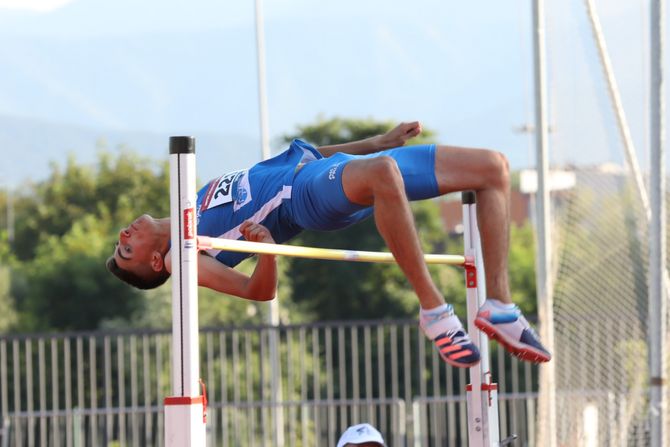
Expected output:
(135, 280)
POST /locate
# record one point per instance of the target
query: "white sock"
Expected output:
(502, 305)
(435, 311)
(436, 327)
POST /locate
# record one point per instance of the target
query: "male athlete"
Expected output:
(333, 187)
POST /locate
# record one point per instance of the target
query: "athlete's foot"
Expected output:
(505, 324)
(451, 340)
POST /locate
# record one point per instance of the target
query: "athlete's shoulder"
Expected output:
(306, 148)
(298, 152)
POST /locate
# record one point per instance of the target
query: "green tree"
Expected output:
(66, 286)
(116, 188)
(522, 268)
(7, 309)
(65, 229)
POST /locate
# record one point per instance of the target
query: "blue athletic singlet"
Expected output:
(255, 194)
(286, 200)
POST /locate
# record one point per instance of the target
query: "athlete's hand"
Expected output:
(399, 135)
(256, 232)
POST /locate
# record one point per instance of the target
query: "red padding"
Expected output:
(184, 400)
(485, 387)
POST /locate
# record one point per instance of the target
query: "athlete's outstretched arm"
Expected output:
(395, 137)
(260, 286)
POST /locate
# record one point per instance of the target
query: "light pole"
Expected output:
(273, 314)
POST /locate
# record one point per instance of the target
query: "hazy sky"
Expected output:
(463, 68)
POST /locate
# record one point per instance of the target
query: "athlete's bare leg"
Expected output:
(487, 173)
(377, 181)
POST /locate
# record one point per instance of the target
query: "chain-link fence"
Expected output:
(599, 225)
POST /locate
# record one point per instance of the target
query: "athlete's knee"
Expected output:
(496, 167)
(365, 180)
(384, 172)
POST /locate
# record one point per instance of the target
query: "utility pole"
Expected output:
(547, 435)
(658, 307)
(273, 311)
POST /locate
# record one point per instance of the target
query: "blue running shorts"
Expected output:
(317, 197)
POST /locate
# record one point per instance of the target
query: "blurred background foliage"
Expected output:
(53, 277)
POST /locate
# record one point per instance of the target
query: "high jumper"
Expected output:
(332, 187)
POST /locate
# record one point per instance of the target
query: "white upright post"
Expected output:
(482, 394)
(185, 410)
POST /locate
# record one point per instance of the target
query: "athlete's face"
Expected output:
(138, 244)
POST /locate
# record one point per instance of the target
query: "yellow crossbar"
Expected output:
(297, 251)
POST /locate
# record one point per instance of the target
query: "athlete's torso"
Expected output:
(255, 194)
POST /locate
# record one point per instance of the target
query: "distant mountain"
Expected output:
(29, 146)
(464, 74)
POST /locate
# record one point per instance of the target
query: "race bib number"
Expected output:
(221, 191)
